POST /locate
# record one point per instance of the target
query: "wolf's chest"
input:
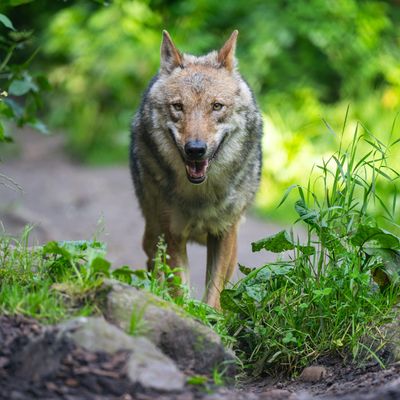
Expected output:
(196, 217)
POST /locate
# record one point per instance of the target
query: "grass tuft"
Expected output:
(332, 293)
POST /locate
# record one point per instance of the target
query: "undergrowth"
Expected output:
(327, 294)
(60, 280)
(332, 293)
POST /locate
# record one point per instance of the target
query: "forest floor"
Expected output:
(65, 201)
(83, 375)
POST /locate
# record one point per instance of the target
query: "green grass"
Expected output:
(331, 293)
(23, 287)
(32, 282)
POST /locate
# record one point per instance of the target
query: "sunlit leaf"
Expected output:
(6, 22)
(374, 237)
(39, 126)
(279, 243)
(307, 215)
(21, 87)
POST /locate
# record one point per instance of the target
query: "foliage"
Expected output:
(60, 279)
(20, 89)
(24, 287)
(50, 282)
(321, 298)
(304, 59)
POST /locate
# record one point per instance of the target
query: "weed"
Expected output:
(42, 282)
(163, 281)
(24, 289)
(137, 325)
(320, 297)
(206, 383)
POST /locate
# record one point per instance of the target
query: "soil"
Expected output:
(81, 374)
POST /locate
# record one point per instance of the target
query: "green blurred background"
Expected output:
(306, 60)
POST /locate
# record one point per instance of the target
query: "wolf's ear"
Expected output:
(170, 55)
(226, 56)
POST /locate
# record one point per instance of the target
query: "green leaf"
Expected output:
(389, 271)
(12, 109)
(286, 194)
(2, 136)
(43, 82)
(307, 215)
(245, 270)
(54, 248)
(330, 241)
(319, 293)
(14, 3)
(101, 266)
(20, 36)
(196, 380)
(39, 126)
(268, 271)
(257, 292)
(6, 22)
(123, 274)
(289, 338)
(279, 243)
(228, 301)
(374, 237)
(21, 87)
(281, 268)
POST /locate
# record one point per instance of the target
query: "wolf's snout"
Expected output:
(195, 149)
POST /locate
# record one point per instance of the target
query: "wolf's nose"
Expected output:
(195, 149)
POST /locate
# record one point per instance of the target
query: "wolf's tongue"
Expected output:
(196, 169)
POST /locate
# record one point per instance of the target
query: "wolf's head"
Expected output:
(200, 101)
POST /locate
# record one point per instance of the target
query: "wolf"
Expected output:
(195, 158)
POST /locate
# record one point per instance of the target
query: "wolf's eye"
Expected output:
(177, 106)
(217, 106)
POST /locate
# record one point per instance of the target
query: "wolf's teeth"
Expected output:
(196, 169)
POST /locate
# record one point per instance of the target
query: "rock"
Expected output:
(146, 365)
(314, 373)
(391, 337)
(40, 357)
(192, 345)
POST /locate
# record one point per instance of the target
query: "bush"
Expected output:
(335, 291)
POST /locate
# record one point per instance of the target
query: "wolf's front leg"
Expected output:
(176, 249)
(221, 262)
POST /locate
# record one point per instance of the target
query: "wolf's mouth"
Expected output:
(196, 170)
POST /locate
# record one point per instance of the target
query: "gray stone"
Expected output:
(40, 357)
(313, 373)
(147, 365)
(191, 344)
(390, 336)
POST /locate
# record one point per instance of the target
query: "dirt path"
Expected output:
(66, 201)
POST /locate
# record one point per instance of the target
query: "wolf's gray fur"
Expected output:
(170, 202)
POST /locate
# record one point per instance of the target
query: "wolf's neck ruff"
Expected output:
(196, 156)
